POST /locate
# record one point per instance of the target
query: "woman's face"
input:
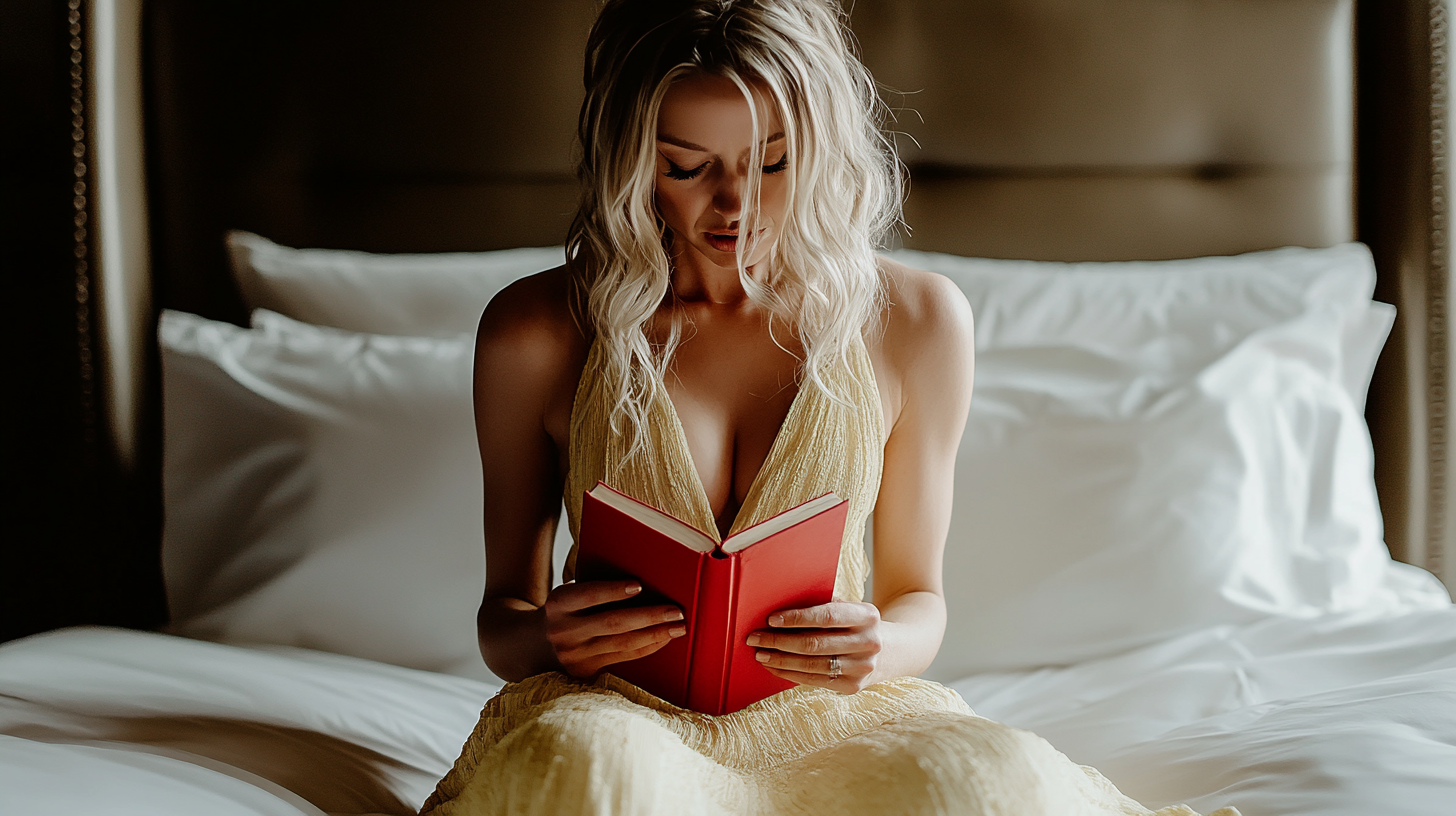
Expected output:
(704, 147)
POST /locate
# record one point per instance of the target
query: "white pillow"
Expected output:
(1155, 447)
(322, 489)
(435, 295)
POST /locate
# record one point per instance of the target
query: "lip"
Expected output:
(724, 241)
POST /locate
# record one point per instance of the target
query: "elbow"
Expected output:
(509, 643)
(502, 660)
(507, 670)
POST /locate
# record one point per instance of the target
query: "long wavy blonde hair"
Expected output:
(843, 187)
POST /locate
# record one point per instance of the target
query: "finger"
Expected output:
(621, 621)
(843, 685)
(826, 616)
(608, 661)
(616, 645)
(811, 665)
(822, 642)
(585, 660)
(582, 595)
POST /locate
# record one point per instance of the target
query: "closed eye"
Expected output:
(675, 172)
(777, 167)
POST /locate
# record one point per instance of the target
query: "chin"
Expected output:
(729, 259)
(719, 258)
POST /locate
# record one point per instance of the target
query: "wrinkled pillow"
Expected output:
(433, 295)
(1160, 446)
(322, 489)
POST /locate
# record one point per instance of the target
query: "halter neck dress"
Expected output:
(553, 745)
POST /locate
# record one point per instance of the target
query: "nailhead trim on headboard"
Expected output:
(82, 236)
(1437, 286)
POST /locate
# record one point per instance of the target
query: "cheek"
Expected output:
(774, 199)
(675, 206)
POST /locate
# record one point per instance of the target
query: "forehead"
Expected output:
(711, 111)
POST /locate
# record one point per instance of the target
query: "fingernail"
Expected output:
(675, 614)
(775, 620)
(755, 639)
(762, 657)
(633, 589)
(678, 631)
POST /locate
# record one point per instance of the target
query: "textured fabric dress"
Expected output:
(552, 745)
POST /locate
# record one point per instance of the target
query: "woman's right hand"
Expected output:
(586, 641)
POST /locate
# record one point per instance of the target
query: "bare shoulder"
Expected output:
(529, 331)
(924, 313)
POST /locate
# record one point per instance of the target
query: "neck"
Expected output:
(695, 280)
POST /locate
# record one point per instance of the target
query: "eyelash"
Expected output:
(675, 172)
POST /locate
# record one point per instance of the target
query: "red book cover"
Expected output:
(726, 591)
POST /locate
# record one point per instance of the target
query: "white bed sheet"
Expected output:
(96, 720)
(1345, 715)
(1339, 716)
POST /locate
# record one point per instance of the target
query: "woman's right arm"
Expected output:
(528, 357)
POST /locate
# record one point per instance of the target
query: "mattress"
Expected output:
(1336, 716)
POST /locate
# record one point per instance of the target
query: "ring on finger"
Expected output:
(834, 667)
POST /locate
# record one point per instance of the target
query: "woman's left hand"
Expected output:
(835, 646)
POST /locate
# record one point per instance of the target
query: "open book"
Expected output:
(726, 591)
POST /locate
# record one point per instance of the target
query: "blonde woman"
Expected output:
(724, 344)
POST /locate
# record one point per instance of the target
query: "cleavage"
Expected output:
(730, 422)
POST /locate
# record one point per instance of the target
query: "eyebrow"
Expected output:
(687, 145)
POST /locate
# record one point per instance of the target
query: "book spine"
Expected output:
(708, 673)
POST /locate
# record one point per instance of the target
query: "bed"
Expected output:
(1168, 556)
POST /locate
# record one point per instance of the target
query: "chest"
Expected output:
(732, 390)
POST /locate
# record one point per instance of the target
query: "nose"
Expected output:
(728, 197)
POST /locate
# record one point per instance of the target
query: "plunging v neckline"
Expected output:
(821, 446)
(680, 438)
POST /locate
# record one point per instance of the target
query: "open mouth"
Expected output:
(725, 241)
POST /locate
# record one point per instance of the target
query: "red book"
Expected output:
(726, 591)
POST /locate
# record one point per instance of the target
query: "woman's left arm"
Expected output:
(928, 359)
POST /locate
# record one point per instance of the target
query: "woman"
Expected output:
(724, 344)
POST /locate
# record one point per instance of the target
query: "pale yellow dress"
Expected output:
(554, 746)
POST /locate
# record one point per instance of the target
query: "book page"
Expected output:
(679, 531)
(744, 539)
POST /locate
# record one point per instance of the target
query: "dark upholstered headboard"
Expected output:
(1033, 128)
(1047, 129)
